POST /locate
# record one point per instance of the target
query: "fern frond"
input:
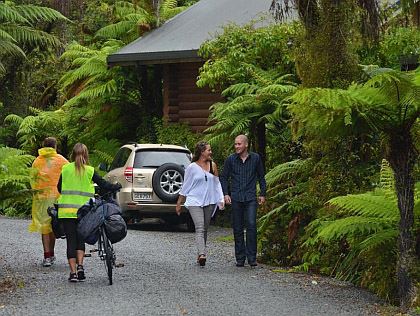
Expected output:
(378, 240)
(30, 36)
(11, 49)
(287, 170)
(34, 13)
(116, 30)
(371, 204)
(11, 14)
(14, 119)
(352, 226)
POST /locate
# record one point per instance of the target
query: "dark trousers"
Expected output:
(244, 214)
(74, 242)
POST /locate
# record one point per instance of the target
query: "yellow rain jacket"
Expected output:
(49, 165)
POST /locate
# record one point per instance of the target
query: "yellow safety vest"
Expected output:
(76, 189)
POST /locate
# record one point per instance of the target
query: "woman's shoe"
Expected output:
(73, 277)
(202, 260)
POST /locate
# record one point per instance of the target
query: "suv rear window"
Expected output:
(155, 158)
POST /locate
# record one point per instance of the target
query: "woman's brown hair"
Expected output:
(80, 156)
(199, 148)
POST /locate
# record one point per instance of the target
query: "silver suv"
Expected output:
(151, 176)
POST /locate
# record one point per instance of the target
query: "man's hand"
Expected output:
(261, 200)
(228, 200)
(178, 209)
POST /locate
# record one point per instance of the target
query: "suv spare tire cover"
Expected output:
(167, 181)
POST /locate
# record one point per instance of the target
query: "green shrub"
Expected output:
(15, 179)
(398, 43)
(357, 238)
(175, 134)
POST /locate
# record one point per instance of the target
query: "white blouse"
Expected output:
(201, 188)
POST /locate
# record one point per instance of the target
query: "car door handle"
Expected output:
(140, 177)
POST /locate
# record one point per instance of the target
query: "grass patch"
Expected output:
(228, 238)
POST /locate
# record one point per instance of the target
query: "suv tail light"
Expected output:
(128, 174)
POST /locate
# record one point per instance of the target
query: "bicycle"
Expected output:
(104, 248)
(106, 252)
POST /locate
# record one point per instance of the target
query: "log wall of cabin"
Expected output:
(183, 101)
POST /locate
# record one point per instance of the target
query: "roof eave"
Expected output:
(148, 58)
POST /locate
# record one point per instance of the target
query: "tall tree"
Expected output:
(325, 58)
(389, 105)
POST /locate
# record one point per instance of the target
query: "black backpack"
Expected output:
(56, 224)
(115, 228)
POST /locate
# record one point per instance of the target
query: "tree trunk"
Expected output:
(402, 159)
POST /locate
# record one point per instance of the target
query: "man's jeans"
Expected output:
(244, 214)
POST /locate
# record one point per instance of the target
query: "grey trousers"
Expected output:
(201, 217)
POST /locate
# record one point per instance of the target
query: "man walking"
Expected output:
(242, 170)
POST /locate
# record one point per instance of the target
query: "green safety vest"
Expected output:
(76, 189)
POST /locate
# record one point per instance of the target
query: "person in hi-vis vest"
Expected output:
(76, 188)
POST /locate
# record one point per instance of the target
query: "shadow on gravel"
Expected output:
(156, 224)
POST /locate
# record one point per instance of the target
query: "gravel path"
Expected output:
(160, 277)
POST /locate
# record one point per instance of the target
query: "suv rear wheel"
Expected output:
(167, 181)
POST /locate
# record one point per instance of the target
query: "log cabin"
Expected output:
(172, 50)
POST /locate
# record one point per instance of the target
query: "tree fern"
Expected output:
(134, 19)
(34, 128)
(368, 223)
(249, 104)
(15, 179)
(17, 29)
(104, 151)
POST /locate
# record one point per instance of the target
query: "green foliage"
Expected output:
(133, 19)
(103, 151)
(18, 29)
(33, 129)
(399, 42)
(130, 21)
(248, 104)
(231, 53)
(365, 229)
(388, 102)
(95, 94)
(174, 133)
(15, 179)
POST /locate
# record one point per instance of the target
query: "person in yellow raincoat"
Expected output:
(49, 165)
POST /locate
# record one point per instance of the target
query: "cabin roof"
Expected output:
(179, 39)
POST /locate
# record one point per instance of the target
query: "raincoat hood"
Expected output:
(47, 152)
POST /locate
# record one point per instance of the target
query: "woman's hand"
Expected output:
(221, 205)
(181, 199)
(178, 209)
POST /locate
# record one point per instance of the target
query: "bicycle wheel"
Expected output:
(109, 254)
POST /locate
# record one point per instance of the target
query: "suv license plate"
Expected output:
(142, 196)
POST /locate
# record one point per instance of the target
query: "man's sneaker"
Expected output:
(73, 277)
(81, 273)
(52, 259)
(47, 262)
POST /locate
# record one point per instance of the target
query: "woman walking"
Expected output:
(76, 188)
(202, 193)
(48, 166)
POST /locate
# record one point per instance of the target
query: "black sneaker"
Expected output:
(81, 273)
(202, 260)
(240, 263)
(253, 263)
(73, 277)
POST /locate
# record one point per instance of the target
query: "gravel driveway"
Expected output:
(160, 277)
